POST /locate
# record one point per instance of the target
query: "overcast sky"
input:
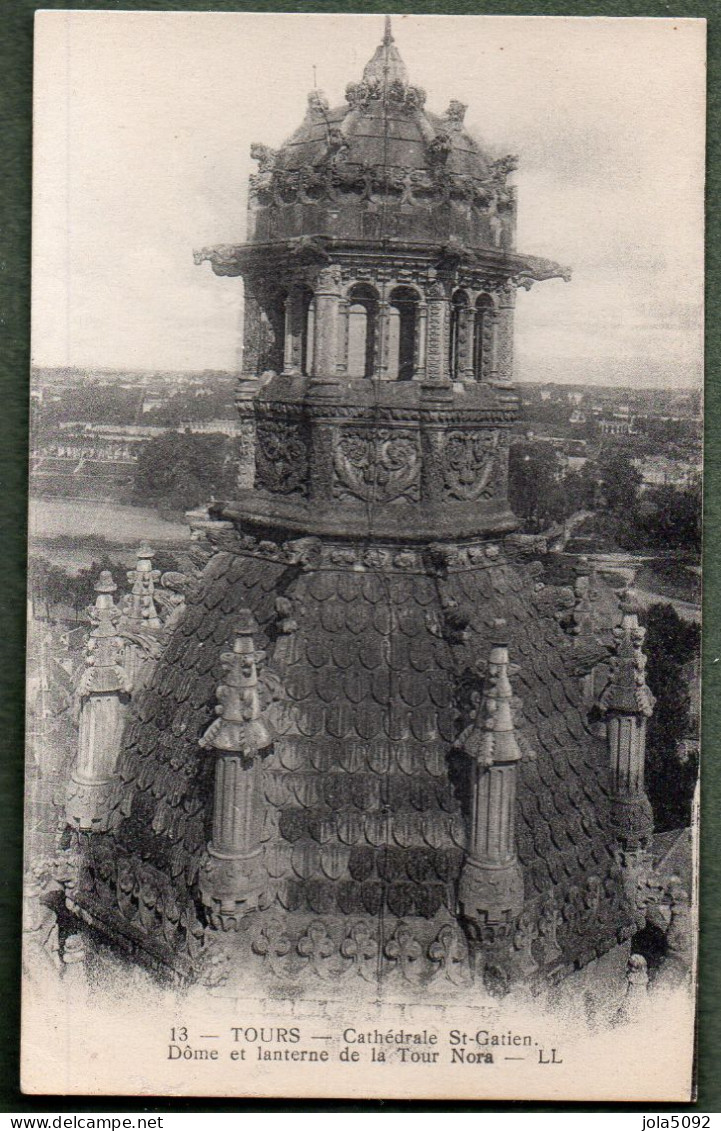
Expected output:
(142, 132)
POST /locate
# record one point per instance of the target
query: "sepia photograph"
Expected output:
(364, 612)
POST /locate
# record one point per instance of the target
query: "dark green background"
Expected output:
(16, 31)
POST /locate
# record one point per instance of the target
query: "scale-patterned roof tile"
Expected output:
(359, 785)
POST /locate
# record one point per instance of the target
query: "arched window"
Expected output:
(299, 324)
(403, 317)
(482, 337)
(456, 339)
(362, 330)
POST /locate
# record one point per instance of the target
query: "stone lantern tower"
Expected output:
(380, 280)
(427, 784)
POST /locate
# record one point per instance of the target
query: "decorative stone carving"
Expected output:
(365, 95)
(680, 934)
(140, 625)
(318, 105)
(439, 148)
(437, 331)
(449, 956)
(102, 695)
(405, 953)
(524, 936)
(40, 925)
(468, 465)
(146, 903)
(230, 880)
(636, 989)
(627, 704)
(361, 946)
(139, 611)
(223, 259)
(548, 923)
(318, 948)
(503, 167)
(337, 176)
(281, 458)
(490, 891)
(266, 157)
(456, 112)
(378, 467)
(274, 945)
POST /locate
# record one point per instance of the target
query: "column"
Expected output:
(102, 696)
(382, 334)
(342, 357)
(503, 335)
(288, 352)
(327, 300)
(465, 343)
(293, 338)
(627, 704)
(433, 400)
(320, 470)
(231, 875)
(490, 892)
(252, 336)
(437, 332)
(421, 332)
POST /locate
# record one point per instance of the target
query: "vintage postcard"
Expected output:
(363, 696)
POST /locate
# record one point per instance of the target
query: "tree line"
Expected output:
(542, 494)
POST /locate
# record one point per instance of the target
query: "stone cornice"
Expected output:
(498, 268)
(382, 415)
(404, 523)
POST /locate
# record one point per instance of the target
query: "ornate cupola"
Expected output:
(380, 282)
(329, 772)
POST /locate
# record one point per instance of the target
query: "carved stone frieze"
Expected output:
(360, 946)
(468, 465)
(379, 466)
(365, 95)
(337, 177)
(281, 458)
(426, 957)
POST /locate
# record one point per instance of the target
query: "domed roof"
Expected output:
(382, 148)
(384, 122)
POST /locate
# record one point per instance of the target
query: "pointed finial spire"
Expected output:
(490, 891)
(583, 619)
(386, 67)
(627, 691)
(491, 738)
(104, 670)
(140, 611)
(239, 727)
(101, 697)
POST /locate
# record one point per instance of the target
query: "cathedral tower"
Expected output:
(401, 782)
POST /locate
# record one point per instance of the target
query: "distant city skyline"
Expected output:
(142, 132)
(230, 374)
